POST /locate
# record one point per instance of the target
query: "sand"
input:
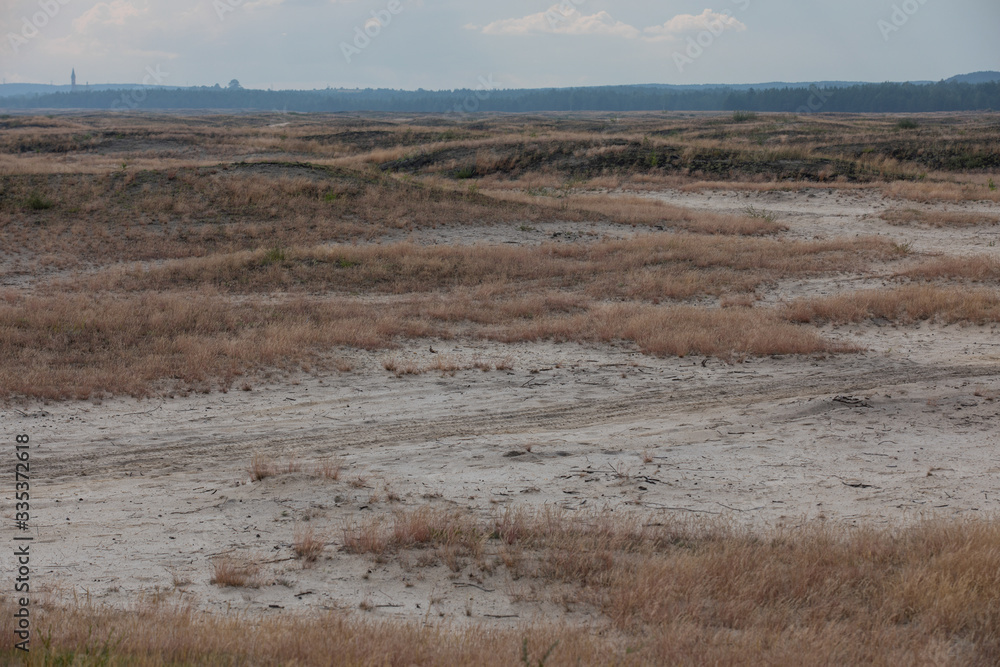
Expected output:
(136, 498)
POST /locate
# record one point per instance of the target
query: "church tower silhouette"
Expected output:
(72, 80)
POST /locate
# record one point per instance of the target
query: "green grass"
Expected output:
(36, 202)
(275, 255)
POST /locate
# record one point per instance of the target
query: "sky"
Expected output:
(447, 44)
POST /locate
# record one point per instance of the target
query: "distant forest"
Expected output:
(874, 98)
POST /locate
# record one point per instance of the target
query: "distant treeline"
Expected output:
(875, 98)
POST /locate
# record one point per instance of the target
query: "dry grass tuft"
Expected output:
(234, 572)
(307, 545)
(262, 467)
(330, 469)
(401, 368)
(367, 536)
(454, 532)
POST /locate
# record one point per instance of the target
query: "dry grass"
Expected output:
(83, 347)
(663, 592)
(262, 467)
(307, 545)
(154, 338)
(330, 469)
(443, 363)
(649, 212)
(252, 267)
(652, 266)
(933, 218)
(932, 583)
(977, 268)
(236, 572)
(422, 527)
(680, 331)
(249, 267)
(941, 192)
(904, 305)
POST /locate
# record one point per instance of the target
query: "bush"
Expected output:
(743, 116)
(275, 255)
(907, 124)
(36, 202)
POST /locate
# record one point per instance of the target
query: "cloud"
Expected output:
(263, 3)
(116, 13)
(560, 21)
(686, 23)
(563, 20)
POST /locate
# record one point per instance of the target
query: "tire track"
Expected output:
(189, 444)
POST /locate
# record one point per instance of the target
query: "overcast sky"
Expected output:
(443, 44)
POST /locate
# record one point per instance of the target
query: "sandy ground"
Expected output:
(138, 497)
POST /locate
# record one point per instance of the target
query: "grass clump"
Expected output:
(307, 545)
(275, 255)
(37, 202)
(228, 571)
(261, 467)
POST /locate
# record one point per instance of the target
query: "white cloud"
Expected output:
(687, 23)
(116, 13)
(559, 21)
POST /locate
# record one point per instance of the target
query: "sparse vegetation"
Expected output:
(664, 590)
(135, 265)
